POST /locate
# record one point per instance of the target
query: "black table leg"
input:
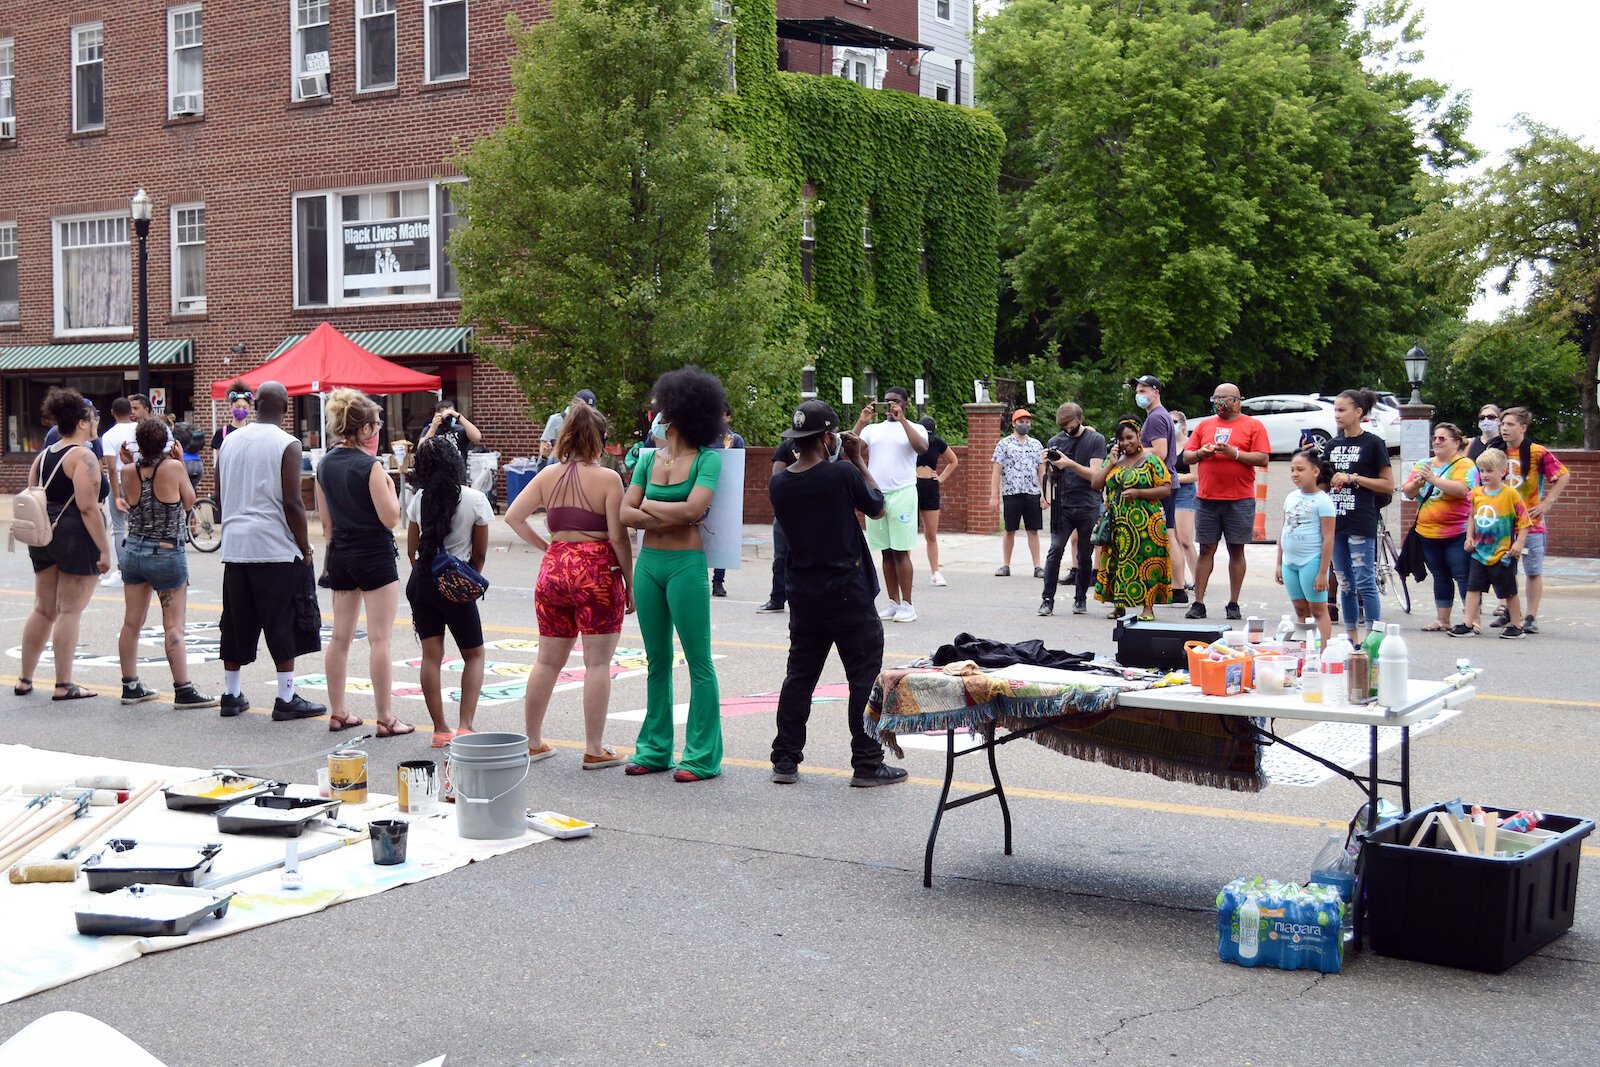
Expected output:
(938, 812)
(1405, 770)
(1372, 778)
(999, 790)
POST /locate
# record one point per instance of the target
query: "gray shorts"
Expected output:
(1225, 520)
(1533, 555)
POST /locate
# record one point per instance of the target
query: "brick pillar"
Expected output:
(984, 431)
(1416, 424)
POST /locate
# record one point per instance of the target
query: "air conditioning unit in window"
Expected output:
(188, 104)
(8, 129)
(311, 85)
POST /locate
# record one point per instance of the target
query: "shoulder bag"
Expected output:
(456, 580)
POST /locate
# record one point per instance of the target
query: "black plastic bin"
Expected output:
(1475, 912)
(1159, 645)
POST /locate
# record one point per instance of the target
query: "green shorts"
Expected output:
(898, 528)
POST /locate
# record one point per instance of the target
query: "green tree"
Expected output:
(615, 230)
(1199, 190)
(1535, 217)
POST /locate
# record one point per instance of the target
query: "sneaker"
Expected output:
(234, 705)
(882, 774)
(1529, 625)
(1002, 572)
(1513, 633)
(785, 772)
(1461, 629)
(1502, 617)
(1179, 597)
(138, 693)
(298, 708)
(936, 578)
(889, 610)
(1070, 578)
(771, 607)
(1197, 610)
(906, 613)
(1047, 607)
(717, 589)
(111, 578)
(1080, 608)
(188, 696)
(1038, 572)
(1231, 612)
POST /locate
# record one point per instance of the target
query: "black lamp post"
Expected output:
(1416, 370)
(140, 210)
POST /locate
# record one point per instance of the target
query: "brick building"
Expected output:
(295, 151)
(915, 46)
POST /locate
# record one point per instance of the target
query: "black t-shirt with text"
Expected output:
(1356, 507)
(829, 566)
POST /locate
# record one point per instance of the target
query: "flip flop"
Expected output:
(1435, 627)
(337, 723)
(394, 728)
(441, 739)
(72, 691)
(1147, 618)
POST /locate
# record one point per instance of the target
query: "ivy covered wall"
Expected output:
(928, 175)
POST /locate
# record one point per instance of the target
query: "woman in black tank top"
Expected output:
(65, 571)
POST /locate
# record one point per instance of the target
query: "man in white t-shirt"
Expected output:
(117, 434)
(893, 446)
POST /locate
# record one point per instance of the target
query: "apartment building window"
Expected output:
(372, 246)
(93, 286)
(8, 102)
(188, 259)
(375, 44)
(941, 10)
(185, 84)
(446, 39)
(10, 308)
(310, 21)
(88, 78)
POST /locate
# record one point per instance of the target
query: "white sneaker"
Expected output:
(937, 579)
(889, 611)
(112, 578)
(907, 613)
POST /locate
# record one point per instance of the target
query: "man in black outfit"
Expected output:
(1072, 458)
(831, 588)
(782, 457)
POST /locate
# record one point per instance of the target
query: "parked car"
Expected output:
(1285, 414)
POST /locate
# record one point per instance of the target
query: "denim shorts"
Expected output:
(1184, 497)
(1533, 555)
(147, 561)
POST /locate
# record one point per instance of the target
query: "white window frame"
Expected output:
(8, 251)
(875, 59)
(335, 263)
(56, 225)
(427, 33)
(173, 48)
(949, 91)
(79, 32)
(364, 13)
(8, 97)
(949, 10)
(440, 239)
(196, 305)
(298, 61)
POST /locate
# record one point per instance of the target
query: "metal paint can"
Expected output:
(347, 775)
(417, 785)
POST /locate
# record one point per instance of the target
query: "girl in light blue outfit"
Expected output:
(1306, 546)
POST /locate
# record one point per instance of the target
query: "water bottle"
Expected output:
(1285, 634)
(1336, 868)
(1311, 665)
(1394, 670)
(1334, 661)
(1249, 928)
(1370, 647)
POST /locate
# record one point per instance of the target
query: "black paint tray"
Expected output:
(126, 862)
(151, 910)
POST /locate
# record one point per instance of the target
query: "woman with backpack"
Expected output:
(1363, 484)
(445, 515)
(66, 569)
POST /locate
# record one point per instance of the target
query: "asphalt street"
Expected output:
(736, 921)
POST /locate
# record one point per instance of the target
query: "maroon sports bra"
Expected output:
(579, 518)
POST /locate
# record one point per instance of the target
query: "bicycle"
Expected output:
(1391, 581)
(204, 528)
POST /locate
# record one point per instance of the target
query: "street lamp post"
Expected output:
(1416, 370)
(140, 210)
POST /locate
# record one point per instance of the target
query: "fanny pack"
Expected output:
(456, 580)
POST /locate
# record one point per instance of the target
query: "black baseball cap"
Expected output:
(811, 418)
(1147, 379)
(586, 396)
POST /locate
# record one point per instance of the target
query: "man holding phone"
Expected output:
(449, 422)
(892, 449)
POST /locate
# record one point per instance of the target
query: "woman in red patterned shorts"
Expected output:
(583, 582)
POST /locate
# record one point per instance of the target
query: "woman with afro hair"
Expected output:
(670, 494)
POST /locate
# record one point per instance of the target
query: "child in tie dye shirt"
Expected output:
(1496, 534)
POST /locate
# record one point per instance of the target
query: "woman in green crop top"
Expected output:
(671, 492)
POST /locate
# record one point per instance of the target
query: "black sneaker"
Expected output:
(1079, 607)
(188, 696)
(1530, 625)
(785, 772)
(1179, 597)
(882, 774)
(1502, 617)
(1070, 578)
(1002, 572)
(717, 589)
(1461, 629)
(136, 692)
(771, 607)
(1047, 607)
(1513, 633)
(1231, 612)
(1038, 572)
(298, 708)
(234, 705)
(1197, 610)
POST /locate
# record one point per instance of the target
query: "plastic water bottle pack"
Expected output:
(1263, 923)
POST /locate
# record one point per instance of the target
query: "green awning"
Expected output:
(439, 341)
(163, 353)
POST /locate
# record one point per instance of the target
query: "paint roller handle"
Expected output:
(110, 819)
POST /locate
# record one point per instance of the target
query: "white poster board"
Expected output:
(722, 531)
(1414, 444)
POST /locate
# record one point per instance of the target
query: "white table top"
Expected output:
(1425, 698)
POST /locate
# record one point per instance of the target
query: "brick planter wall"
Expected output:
(1574, 530)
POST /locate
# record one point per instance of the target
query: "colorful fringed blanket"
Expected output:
(1178, 746)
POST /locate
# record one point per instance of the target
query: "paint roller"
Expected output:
(106, 797)
(63, 868)
(115, 782)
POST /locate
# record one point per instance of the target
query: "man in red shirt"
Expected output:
(1224, 452)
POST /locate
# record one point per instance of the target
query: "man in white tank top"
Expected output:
(268, 577)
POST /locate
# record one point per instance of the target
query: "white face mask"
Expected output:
(1489, 426)
(837, 449)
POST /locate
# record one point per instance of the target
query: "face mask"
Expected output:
(837, 449)
(658, 431)
(1022, 427)
(240, 414)
(1142, 399)
(1489, 426)
(1223, 406)
(370, 445)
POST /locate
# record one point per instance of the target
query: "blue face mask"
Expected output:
(658, 431)
(1142, 399)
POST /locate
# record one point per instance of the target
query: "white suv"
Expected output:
(1285, 415)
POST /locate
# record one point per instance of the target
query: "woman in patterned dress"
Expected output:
(1135, 570)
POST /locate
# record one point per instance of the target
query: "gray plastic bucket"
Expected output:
(486, 773)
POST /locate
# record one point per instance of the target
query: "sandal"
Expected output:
(441, 739)
(1117, 614)
(542, 752)
(1146, 618)
(1436, 627)
(72, 691)
(23, 687)
(342, 722)
(394, 728)
(610, 759)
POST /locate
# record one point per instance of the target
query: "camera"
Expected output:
(1052, 454)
